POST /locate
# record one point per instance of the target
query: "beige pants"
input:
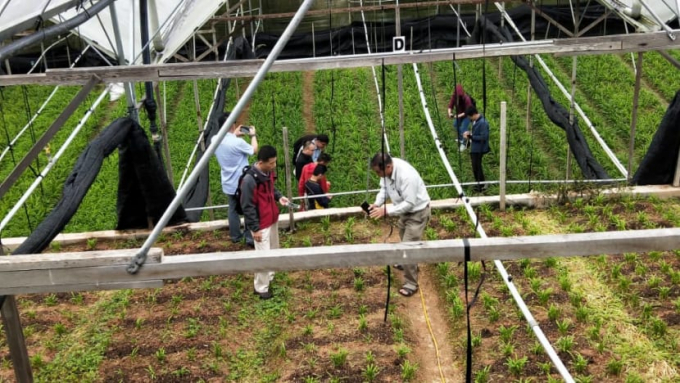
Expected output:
(270, 240)
(411, 227)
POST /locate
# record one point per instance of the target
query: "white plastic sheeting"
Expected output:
(636, 14)
(178, 19)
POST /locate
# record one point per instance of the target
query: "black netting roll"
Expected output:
(658, 165)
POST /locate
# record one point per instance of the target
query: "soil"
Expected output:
(308, 101)
(215, 329)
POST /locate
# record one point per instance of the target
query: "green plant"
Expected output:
(431, 234)
(658, 327)
(614, 367)
(582, 314)
(565, 283)
(363, 323)
(339, 358)
(408, 370)
(550, 262)
(91, 243)
(563, 326)
(530, 272)
(349, 230)
(308, 330)
(359, 284)
(580, 363)
(537, 348)
(402, 351)
(565, 343)
(516, 365)
(664, 292)
(370, 358)
(476, 340)
(370, 372)
(335, 312)
(545, 367)
(482, 376)
(494, 315)
(160, 355)
(544, 296)
(553, 312)
(653, 282)
(507, 349)
(450, 281)
(506, 333)
(51, 300)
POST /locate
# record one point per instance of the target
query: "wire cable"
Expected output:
(434, 340)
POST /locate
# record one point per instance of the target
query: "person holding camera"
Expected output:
(402, 183)
(232, 155)
(258, 200)
(479, 137)
(304, 158)
(459, 102)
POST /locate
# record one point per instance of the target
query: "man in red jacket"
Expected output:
(261, 215)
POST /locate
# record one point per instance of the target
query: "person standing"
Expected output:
(232, 155)
(258, 201)
(459, 102)
(304, 158)
(402, 183)
(479, 136)
(320, 142)
(315, 193)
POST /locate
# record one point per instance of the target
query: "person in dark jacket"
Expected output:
(479, 137)
(320, 142)
(459, 103)
(314, 189)
(261, 215)
(304, 158)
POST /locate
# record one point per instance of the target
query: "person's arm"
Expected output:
(409, 191)
(301, 185)
(325, 185)
(481, 133)
(452, 103)
(253, 140)
(380, 198)
(248, 204)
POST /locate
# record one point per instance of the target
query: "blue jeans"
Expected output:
(235, 223)
(464, 123)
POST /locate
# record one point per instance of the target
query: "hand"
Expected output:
(238, 132)
(252, 131)
(257, 236)
(466, 134)
(377, 212)
(450, 115)
(283, 201)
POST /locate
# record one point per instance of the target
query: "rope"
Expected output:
(434, 340)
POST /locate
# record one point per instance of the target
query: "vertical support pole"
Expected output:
(164, 133)
(289, 188)
(531, 65)
(199, 121)
(504, 153)
(571, 111)
(128, 86)
(400, 85)
(15, 340)
(500, 58)
(313, 42)
(633, 122)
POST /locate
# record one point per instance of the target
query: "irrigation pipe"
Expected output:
(499, 265)
(30, 122)
(375, 79)
(53, 160)
(140, 257)
(557, 82)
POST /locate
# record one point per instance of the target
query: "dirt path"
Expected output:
(308, 101)
(423, 347)
(243, 118)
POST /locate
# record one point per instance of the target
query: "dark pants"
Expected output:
(477, 168)
(235, 223)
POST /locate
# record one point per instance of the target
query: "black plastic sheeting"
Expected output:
(658, 165)
(428, 33)
(557, 113)
(142, 179)
(198, 194)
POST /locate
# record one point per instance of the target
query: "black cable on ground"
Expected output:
(382, 150)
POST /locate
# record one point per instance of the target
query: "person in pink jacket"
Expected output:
(459, 102)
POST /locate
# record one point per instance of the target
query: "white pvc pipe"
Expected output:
(54, 91)
(375, 79)
(499, 265)
(599, 139)
(52, 161)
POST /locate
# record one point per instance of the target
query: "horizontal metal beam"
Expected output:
(335, 10)
(614, 44)
(68, 271)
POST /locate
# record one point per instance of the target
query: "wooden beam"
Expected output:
(670, 59)
(15, 339)
(347, 9)
(346, 256)
(614, 44)
(47, 136)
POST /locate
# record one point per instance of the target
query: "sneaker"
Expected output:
(462, 148)
(264, 296)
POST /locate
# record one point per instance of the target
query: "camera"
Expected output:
(245, 129)
(293, 206)
(365, 206)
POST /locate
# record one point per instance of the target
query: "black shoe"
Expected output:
(250, 244)
(266, 295)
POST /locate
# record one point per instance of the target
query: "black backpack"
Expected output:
(237, 194)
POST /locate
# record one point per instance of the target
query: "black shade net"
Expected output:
(558, 114)
(659, 164)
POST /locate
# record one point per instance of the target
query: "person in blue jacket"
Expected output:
(479, 145)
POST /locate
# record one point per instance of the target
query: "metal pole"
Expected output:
(15, 339)
(164, 132)
(128, 86)
(633, 122)
(313, 42)
(504, 153)
(400, 85)
(289, 189)
(531, 65)
(236, 112)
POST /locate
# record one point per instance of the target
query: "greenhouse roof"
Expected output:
(178, 19)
